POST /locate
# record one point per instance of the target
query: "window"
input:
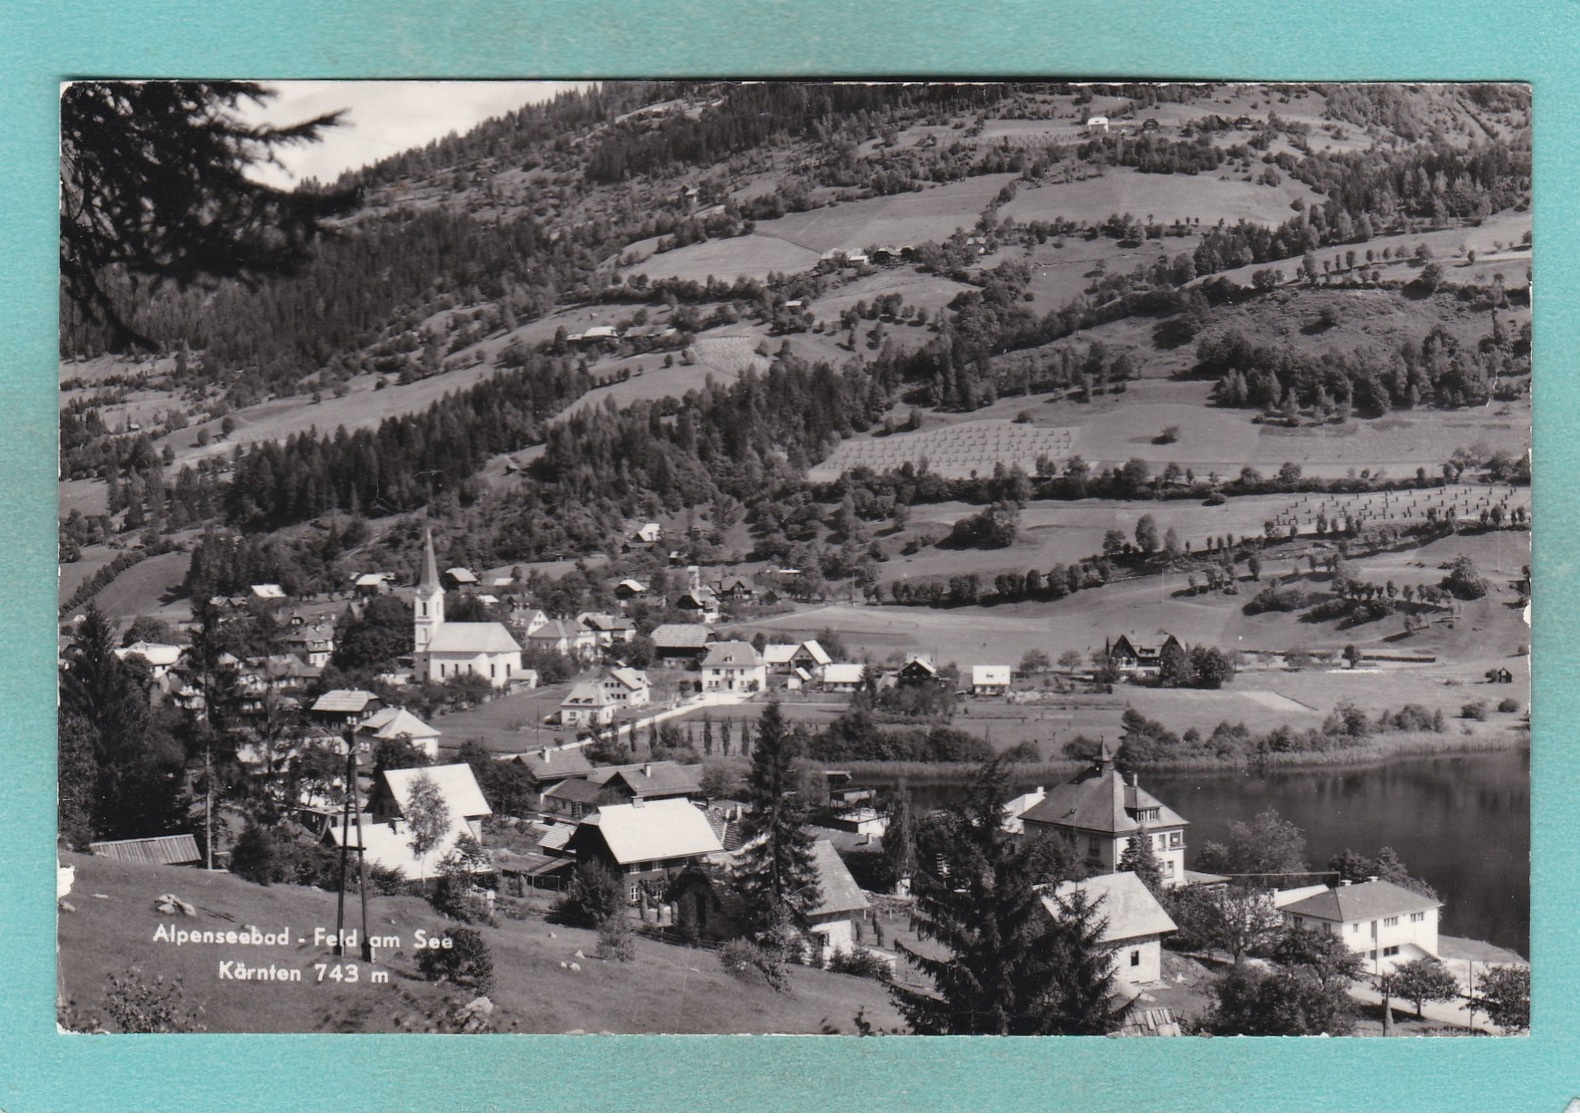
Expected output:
(1135, 957)
(1091, 847)
(1355, 928)
(490, 670)
(1391, 921)
(1418, 917)
(1166, 868)
(1390, 951)
(636, 892)
(1163, 841)
(1300, 921)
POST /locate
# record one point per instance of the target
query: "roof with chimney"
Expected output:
(396, 721)
(652, 831)
(1100, 800)
(652, 779)
(555, 763)
(1362, 902)
(733, 653)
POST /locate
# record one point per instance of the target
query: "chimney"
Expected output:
(1371, 880)
(1041, 790)
(647, 770)
(545, 754)
(636, 801)
(1344, 882)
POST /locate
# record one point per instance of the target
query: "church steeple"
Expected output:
(428, 604)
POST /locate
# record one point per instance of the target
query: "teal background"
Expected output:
(42, 43)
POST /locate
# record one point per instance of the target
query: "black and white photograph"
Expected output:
(857, 558)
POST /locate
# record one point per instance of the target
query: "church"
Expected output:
(445, 649)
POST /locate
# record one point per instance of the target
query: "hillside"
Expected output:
(667, 989)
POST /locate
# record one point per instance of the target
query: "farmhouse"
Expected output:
(549, 766)
(917, 670)
(444, 650)
(345, 708)
(1132, 654)
(1384, 923)
(989, 681)
(395, 723)
(809, 656)
(626, 686)
(1136, 924)
(607, 629)
(737, 588)
(459, 578)
(561, 637)
(843, 678)
(628, 588)
(160, 657)
(314, 643)
(653, 779)
(587, 706)
(387, 840)
(373, 584)
(645, 842)
(1098, 813)
(735, 667)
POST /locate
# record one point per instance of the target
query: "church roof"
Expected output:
(430, 566)
(472, 638)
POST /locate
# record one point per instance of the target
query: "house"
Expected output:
(808, 655)
(573, 799)
(285, 674)
(373, 584)
(386, 835)
(1136, 924)
(1098, 813)
(346, 708)
(629, 588)
(645, 843)
(1132, 654)
(626, 686)
(160, 657)
(549, 766)
(1018, 806)
(1150, 124)
(173, 849)
(733, 667)
(916, 671)
(459, 578)
(587, 706)
(313, 643)
(607, 629)
(1500, 675)
(650, 780)
(737, 588)
(843, 678)
(268, 591)
(648, 533)
(395, 723)
(700, 603)
(674, 643)
(1385, 923)
(443, 650)
(561, 637)
(1097, 124)
(989, 681)
(707, 901)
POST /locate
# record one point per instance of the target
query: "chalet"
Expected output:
(587, 706)
(346, 708)
(573, 799)
(989, 681)
(1098, 813)
(737, 588)
(1132, 654)
(653, 779)
(629, 588)
(607, 629)
(645, 843)
(373, 584)
(1500, 675)
(1135, 925)
(444, 650)
(626, 686)
(549, 766)
(173, 849)
(700, 604)
(1384, 923)
(458, 578)
(396, 723)
(917, 671)
(674, 643)
(843, 678)
(386, 839)
(648, 533)
(733, 667)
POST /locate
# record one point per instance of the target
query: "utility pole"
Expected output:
(352, 805)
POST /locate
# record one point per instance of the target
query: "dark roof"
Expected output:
(837, 889)
(1100, 799)
(575, 790)
(1355, 903)
(173, 849)
(658, 777)
(558, 764)
(681, 636)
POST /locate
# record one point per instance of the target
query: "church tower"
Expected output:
(428, 605)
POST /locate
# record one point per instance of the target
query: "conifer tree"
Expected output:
(776, 874)
(1011, 965)
(1138, 858)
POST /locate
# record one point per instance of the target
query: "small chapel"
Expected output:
(444, 649)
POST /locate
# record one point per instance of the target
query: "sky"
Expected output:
(384, 118)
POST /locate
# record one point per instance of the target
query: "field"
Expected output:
(752, 257)
(667, 989)
(898, 219)
(1202, 198)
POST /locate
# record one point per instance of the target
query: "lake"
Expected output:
(1461, 823)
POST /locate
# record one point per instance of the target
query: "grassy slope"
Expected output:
(667, 989)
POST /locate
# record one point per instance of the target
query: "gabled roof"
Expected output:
(549, 763)
(455, 782)
(815, 650)
(1100, 800)
(473, 637)
(779, 655)
(654, 778)
(269, 591)
(630, 678)
(157, 655)
(733, 653)
(587, 695)
(653, 831)
(606, 622)
(631, 585)
(575, 790)
(839, 674)
(990, 676)
(1120, 898)
(173, 849)
(554, 630)
(681, 636)
(699, 599)
(462, 576)
(395, 722)
(1354, 903)
(556, 836)
(344, 701)
(919, 663)
(374, 579)
(388, 844)
(837, 889)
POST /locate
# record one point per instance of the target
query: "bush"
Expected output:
(595, 896)
(1508, 706)
(746, 960)
(466, 961)
(255, 856)
(1474, 710)
(616, 943)
(134, 1005)
(860, 963)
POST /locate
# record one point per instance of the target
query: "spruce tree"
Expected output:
(1138, 858)
(1010, 964)
(776, 873)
